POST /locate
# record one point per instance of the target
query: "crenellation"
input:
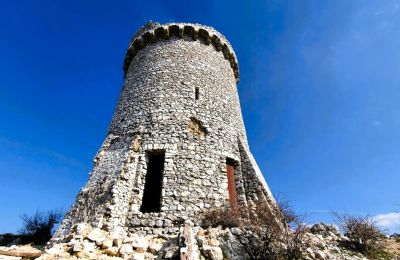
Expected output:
(190, 32)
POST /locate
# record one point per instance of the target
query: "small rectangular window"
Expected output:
(151, 201)
(196, 93)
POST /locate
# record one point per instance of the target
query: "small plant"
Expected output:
(38, 228)
(364, 236)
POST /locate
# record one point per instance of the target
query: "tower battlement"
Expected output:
(155, 32)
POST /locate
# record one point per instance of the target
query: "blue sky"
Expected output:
(319, 91)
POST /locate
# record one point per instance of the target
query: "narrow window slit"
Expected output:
(151, 201)
(196, 93)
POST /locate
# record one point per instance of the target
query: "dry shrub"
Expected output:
(287, 214)
(364, 236)
(38, 228)
(224, 217)
(288, 237)
(273, 233)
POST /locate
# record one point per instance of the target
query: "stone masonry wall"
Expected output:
(159, 111)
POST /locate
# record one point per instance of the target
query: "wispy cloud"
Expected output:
(41, 151)
(389, 221)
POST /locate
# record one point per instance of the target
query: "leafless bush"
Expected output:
(273, 233)
(280, 241)
(38, 228)
(225, 217)
(287, 214)
(364, 236)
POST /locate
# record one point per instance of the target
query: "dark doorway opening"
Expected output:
(230, 169)
(151, 201)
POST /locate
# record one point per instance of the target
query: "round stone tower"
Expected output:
(177, 144)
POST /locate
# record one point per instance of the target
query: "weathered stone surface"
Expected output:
(126, 249)
(6, 257)
(171, 252)
(140, 244)
(232, 247)
(86, 255)
(325, 230)
(20, 251)
(117, 242)
(187, 244)
(106, 243)
(323, 242)
(211, 243)
(96, 235)
(77, 246)
(212, 252)
(320, 255)
(138, 256)
(156, 245)
(83, 229)
(57, 249)
(112, 251)
(236, 231)
(179, 98)
(88, 246)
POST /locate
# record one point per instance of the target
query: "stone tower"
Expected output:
(177, 143)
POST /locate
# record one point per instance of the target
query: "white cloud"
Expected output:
(389, 222)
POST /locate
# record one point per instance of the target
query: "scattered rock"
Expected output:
(57, 249)
(138, 256)
(126, 249)
(232, 247)
(213, 242)
(140, 244)
(156, 245)
(83, 229)
(117, 242)
(320, 255)
(88, 246)
(212, 252)
(236, 231)
(77, 246)
(107, 243)
(200, 239)
(96, 235)
(21, 251)
(171, 252)
(86, 255)
(321, 242)
(395, 236)
(112, 251)
(6, 257)
(324, 229)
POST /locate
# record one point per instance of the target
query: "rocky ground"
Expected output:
(321, 241)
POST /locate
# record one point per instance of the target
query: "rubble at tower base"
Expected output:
(321, 241)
